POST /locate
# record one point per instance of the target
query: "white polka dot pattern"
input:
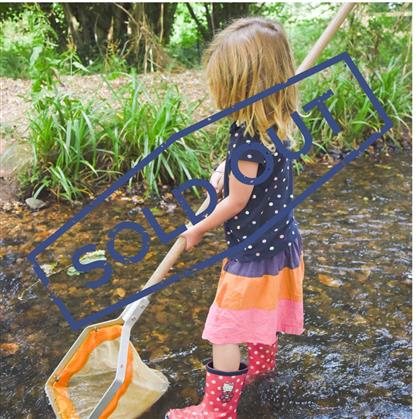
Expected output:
(268, 199)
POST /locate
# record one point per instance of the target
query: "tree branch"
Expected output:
(199, 25)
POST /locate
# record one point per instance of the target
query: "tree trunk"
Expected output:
(224, 13)
(217, 16)
(161, 17)
(134, 30)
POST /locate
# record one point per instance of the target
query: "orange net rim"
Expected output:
(65, 407)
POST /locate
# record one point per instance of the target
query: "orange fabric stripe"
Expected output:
(77, 362)
(128, 378)
(236, 292)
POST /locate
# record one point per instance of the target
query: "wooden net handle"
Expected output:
(172, 256)
(326, 36)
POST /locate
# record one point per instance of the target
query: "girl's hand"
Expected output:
(217, 178)
(193, 236)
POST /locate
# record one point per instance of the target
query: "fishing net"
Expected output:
(83, 380)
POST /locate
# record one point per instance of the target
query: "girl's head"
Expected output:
(247, 57)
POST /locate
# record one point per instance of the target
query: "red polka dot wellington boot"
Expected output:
(222, 394)
(261, 359)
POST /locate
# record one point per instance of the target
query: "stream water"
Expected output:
(353, 360)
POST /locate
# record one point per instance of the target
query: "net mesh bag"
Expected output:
(91, 370)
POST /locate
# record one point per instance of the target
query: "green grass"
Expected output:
(65, 147)
(78, 147)
(142, 124)
(353, 110)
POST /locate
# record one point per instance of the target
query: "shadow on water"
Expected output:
(353, 360)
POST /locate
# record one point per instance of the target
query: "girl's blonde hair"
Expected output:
(247, 57)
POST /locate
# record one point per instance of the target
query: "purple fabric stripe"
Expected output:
(289, 258)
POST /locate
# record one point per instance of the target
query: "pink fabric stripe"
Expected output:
(254, 325)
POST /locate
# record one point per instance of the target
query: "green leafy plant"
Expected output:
(65, 147)
(143, 123)
(77, 147)
(23, 36)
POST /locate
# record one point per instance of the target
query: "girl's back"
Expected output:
(267, 200)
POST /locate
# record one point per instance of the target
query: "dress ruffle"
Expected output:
(255, 300)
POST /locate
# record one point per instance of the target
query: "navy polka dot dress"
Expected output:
(268, 198)
(260, 290)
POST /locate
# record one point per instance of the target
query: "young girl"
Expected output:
(260, 288)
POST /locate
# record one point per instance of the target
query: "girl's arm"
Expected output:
(239, 194)
(217, 178)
